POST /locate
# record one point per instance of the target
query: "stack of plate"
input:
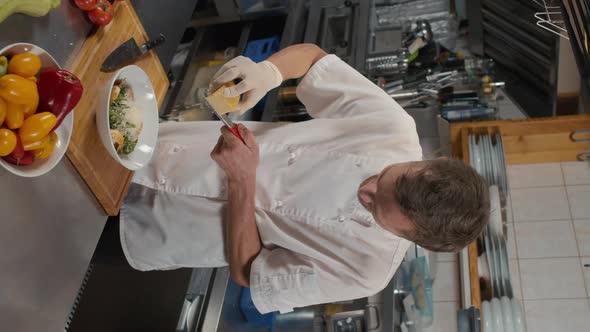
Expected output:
(502, 315)
(487, 157)
(496, 249)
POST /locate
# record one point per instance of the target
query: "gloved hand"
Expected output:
(257, 80)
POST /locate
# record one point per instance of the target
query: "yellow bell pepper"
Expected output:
(46, 151)
(14, 116)
(3, 108)
(7, 142)
(36, 145)
(18, 90)
(37, 126)
(24, 65)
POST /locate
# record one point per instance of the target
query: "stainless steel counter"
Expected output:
(50, 225)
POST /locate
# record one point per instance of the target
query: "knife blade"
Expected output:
(128, 52)
(202, 95)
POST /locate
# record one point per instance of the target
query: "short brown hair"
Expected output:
(447, 201)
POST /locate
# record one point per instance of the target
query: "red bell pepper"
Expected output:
(19, 151)
(59, 92)
(27, 159)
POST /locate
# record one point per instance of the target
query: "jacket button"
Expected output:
(162, 182)
(341, 218)
(175, 149)
(278, 203)
(292, 158)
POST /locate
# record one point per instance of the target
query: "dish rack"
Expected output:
(550, 17)
(539, 140)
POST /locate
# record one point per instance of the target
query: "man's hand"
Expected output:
(238, 160)
(257, 80)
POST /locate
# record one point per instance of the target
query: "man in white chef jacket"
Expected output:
(304, 213)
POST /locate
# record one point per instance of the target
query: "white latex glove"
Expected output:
(257, 80)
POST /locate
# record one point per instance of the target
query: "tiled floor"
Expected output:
(549, 247)
(446, 294)
(551, 259)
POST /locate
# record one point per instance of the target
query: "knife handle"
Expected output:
(153, 43)
(236, 132)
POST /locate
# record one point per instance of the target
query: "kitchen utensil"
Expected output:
(145, 101)
(202, 95)
(107, 179)
(128, 52)
(394, 63)
(64, 131)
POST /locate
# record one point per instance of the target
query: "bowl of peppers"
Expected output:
(37, 99)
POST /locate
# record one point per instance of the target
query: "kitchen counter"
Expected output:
(50, 225)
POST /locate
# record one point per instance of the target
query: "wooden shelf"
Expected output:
(529, 141)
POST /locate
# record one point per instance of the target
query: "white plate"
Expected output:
(505, 267)
(502, 160)
(483, 268)
(499, 265)
(495, 264)
(484, 154)
(491, 261)
(517, 316)
(64, 132)
(491, 170)
(478, 164)
(145, 100)
(495, 210)
(495, 161)
(486, 316)
(471, 153)
(498, 322)
(507, 314)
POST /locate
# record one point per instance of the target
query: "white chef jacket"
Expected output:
(319, 244)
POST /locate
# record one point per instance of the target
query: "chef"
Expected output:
(303, 213)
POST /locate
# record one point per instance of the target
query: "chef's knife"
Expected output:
(202, 95)
(128, 52)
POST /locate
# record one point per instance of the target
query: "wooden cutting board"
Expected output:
(107, 179)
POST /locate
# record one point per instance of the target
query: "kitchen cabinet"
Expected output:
(528, 141)
(201, 42)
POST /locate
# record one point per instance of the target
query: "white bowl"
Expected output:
(145, 101)
(64, 131)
